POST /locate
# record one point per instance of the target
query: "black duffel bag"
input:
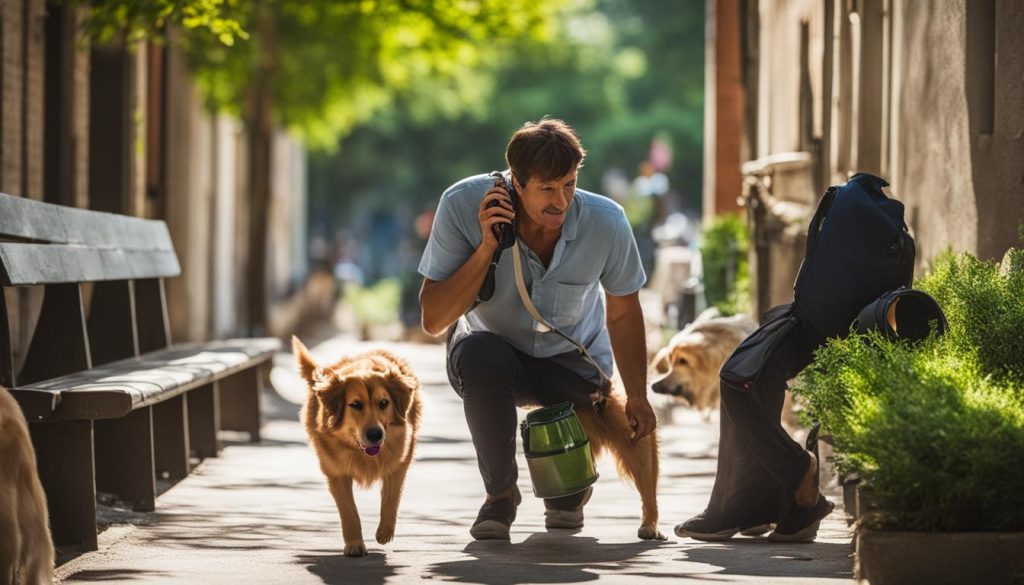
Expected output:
(858, 248)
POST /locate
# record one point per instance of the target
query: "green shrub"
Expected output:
(937, 428)
(375, 305)
(941, 446)
(723, 250)
(985, 309)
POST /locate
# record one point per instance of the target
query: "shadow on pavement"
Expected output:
(758, 557)
(113, 575)
(541, 558)
(372, 569)
(208, 531)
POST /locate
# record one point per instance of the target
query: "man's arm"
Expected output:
(443, 302)
(629, 344)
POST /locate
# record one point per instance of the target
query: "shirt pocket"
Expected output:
(570, 302)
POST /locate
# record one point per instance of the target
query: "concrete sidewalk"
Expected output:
(262, 514)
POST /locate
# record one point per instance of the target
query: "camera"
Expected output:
(505, 232)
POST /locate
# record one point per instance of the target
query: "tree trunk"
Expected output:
(260, 157)
(261, 143)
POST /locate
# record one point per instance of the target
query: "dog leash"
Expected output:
(606, 380)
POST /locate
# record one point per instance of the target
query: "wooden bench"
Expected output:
(113, 406)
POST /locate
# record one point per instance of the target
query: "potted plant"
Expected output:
(723, 249)
(936, 430)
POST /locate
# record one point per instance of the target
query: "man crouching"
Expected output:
(582, 271)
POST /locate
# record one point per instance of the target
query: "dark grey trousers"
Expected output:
(759, 464)
(492, 377)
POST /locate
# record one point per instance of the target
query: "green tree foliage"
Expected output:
(619, 71)
(332, 65)
(132, 21)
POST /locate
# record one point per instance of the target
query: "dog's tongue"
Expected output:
(372, 450)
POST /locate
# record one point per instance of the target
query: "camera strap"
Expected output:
(547, 326)
(487, 288)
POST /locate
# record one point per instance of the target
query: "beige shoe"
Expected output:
(496, 517)
(566, 513)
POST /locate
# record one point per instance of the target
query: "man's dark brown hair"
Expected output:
(547, 150)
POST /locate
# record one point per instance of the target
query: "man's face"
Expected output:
(545, 202)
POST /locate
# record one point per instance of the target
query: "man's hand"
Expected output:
(641, 417)
(489, 217)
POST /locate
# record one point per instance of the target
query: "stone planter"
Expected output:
(850, 487)
(857, 498)
(937, 558)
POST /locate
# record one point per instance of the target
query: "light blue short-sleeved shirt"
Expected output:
(596, 253)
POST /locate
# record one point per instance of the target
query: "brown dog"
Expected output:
(362, 415)
(26, 551)
(636, 463)
(690, 363)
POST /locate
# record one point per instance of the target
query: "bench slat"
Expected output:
(117, 388)
(32, 264)
(37, 221)
(36, 405)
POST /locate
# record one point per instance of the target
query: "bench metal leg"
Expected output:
(240, 402)
(204, 421)
(170, 438)
(124, 458)
(64, 456)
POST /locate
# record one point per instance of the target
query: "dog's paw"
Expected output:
(355, 549)
(385, 534)
(650, 533)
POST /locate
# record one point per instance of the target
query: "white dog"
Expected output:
(690, 363)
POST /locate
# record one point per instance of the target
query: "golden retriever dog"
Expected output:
(636, 463)
(690, 363)
(26, 551)
(362, 415)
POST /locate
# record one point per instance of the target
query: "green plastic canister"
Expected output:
(557, 451)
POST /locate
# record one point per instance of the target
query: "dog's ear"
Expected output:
(660, 363)
(308, 369)
(332, 400)
(401, 387)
